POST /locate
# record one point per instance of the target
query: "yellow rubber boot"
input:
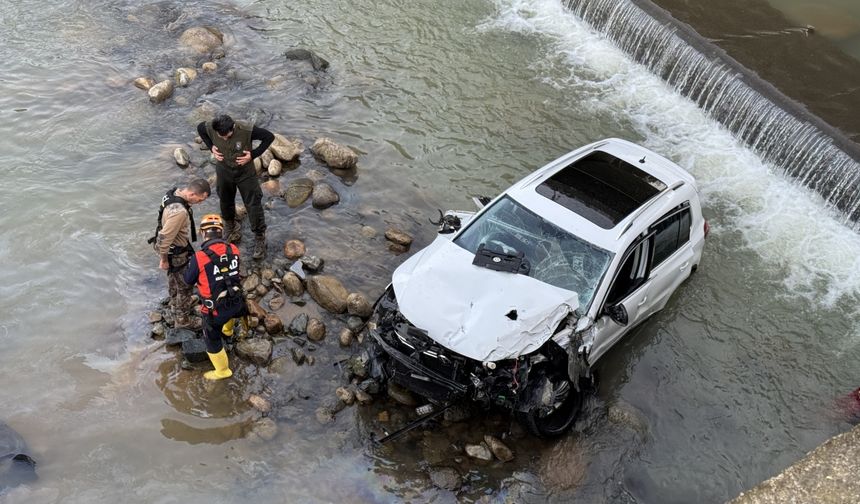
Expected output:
(227, 329)
(222, 366)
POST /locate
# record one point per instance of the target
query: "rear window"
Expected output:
(601, 188)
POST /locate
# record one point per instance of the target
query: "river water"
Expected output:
(443, 100)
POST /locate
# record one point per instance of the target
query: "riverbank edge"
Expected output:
(828, 474)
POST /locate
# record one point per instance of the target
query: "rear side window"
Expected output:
(671, 233)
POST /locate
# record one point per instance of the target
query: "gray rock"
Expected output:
(357, 304)
(257, 350)
(333, 404)
(144, 83)
(271, 187)
(265, 428)
(316, 330)
(479, 451)
(155, 317)
(293, 285)
(161, 91)
(294, 249)
(370, 386)
(346, 395)
(178, 336)
(312, 263)
(275, 168)
(446, 478)
(354, 323)
(255, 310)
(260, 403)
(328, 292)
(299, 324)
(345, 337)
(333, 154)
(184, 76)
(181, 157)
(324, 416)
(210, 67)
(398, 237)
(316, 62)
(202, 39)
(299, 356)
(261, 290)
(157, 331)
(368, 232)
(266, 158)
(400, 394)
(398, 248)
(298, 191)
(267, 274)
(273, 324)
(194, 350)
(499, 449)
(276, 302)
(286, 149)
(251, 283)
(324, 196)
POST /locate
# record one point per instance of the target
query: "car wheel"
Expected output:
(547, 424)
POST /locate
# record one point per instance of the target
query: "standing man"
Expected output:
(172, 242)
(230, 143)
(215, 270)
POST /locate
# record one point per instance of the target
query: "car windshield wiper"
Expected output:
(499, 261)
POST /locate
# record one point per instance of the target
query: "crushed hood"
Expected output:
(465, 307)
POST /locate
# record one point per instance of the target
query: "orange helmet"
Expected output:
(210, 221)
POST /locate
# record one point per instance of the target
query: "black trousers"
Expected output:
(212, 335)
(245, 179)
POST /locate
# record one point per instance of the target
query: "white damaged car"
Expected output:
(512, 306)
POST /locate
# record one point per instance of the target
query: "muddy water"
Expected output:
(729, 384)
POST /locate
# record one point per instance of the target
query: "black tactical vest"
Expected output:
(234, 146)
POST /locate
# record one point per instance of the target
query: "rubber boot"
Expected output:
(259, 246)
(227, 329)
(222, 366)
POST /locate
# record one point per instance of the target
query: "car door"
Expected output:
(672, 260)
(629, 289)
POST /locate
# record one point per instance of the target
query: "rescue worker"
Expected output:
(215, 270)
(172, 242)
(230, 143)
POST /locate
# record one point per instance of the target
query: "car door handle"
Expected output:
(684, 266)
(643, 301)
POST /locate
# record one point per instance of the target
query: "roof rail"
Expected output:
(644, 207)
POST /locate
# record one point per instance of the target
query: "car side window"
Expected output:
(671, 232)
(633, 272)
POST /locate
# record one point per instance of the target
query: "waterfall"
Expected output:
(778, 129)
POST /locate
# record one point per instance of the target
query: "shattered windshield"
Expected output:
(556, 256)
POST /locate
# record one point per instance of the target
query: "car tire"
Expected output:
(558, 422)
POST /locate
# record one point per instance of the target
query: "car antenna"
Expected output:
(642, 160)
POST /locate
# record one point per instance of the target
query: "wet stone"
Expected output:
(312, 263)
(328, 292)
(368, 232)
(260, 403)
(273, 324)
(345, 337)
(293, 249)
(398, 248)
(144, 83)
(275, 168)
(261, 290)
(257, 350)
(345, 395)
(316, 330)
(184, 76)
(446, 478)
(499, 449)
(155, 317)
(161, 91)
(194, 350)
(293, 285)
(324, 196)
(181, 157)
(276, 302)
(267, 274)
(357, 304)
(299, 356)
(324, 416)
(157, 331)
(255, 310)
(398, 237)
(354, 323)
(251, 283)
(299, 324)
(178, 336)
(334, 155)
(265, 428)
(210, 67)
(479, 451)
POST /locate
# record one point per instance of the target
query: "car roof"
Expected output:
(646, 183)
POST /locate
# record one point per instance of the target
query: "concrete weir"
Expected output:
(827, 474)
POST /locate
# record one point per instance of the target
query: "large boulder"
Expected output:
(328, 292)
(161, 91)
(334, 155)
(202, 39)
(298, 191)
(286, 149)
(324, 196)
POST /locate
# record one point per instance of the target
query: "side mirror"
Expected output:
(618, 313)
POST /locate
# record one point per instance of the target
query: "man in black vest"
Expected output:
(172, 242)
(230, 143)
